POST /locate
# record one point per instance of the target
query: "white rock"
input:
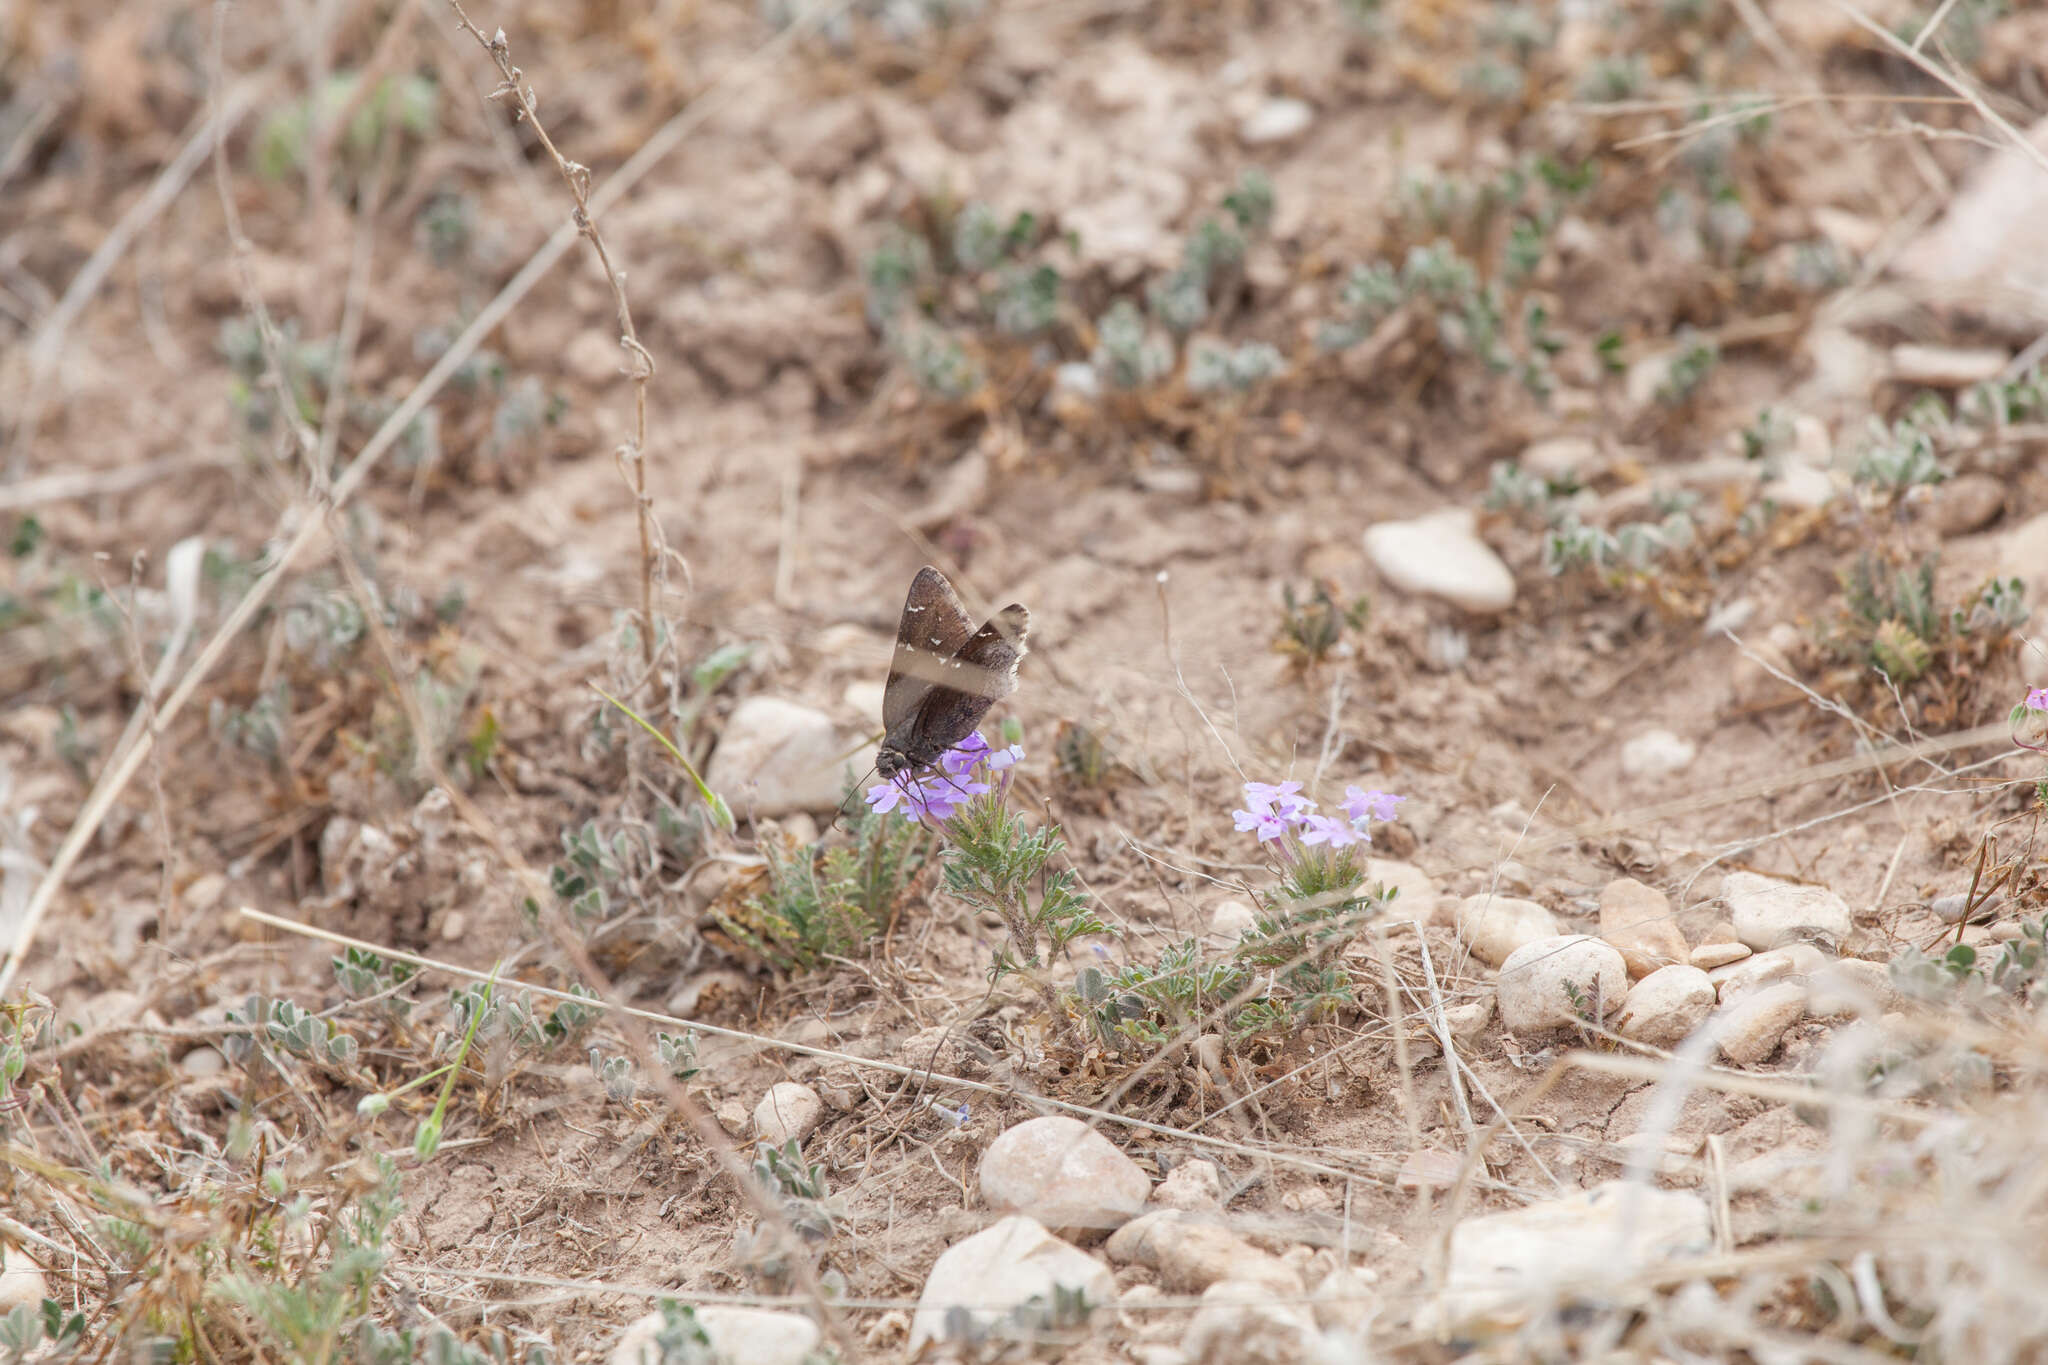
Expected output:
(203, 1061)
(1750, 1030)
(1192, 1251)
(1797, 962)
(1637, 920)
(1989, 252)
(1242, 1324)
(1656, 753)
(1503, 1266)
(2023, 551)
(21, 1281)
(1767, 912)
(1560, 456)
(757, 1336)
(1415, 890)
(1441, 555)
(1799, 484)
(1063, 1172)
(998, 1269)
(1344, 1301)
(1230, 921)
(1852, 985)
(1708, 956)
(788, 1110)
(1533, 982)
(1495, 926)
(1276, 121)
(1947, 367)
(775, 757)
(1666, 1006)
(863, 697)
(1193, 1186)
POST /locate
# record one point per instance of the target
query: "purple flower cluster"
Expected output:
(1273, 809)
(2037, 699)
(941, 790)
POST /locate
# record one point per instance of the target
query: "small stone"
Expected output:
(759, 1336)
(776, 757)
(1793, 962)
(202, 1062)
(1799, 484)
(1665, 1007)
(1504, 1266)
(788, 1110)
(1441, 555)
(1656, 753)
(1637, 920)
(1429, 1166)
(1968, 502)
(1191, 1252)
(1208, 1050)
(1467, 1021)
(1062, 1171)
(999, 1268)
(1750, 1030)
(731, 1116)
(2023, 550)
(1851, 986)
(1560, 457)
(1767, 912)
(1276, 120)
(1241, 1324)
(1192, 1187)
(1718, 947)
(1415, 890)
(1230, 921)
(1539, 981)
(1495, 926)
(1947, 367)
(205, 892)
(21, 1280)
(1344, 1301)
(1991, 241)
(453, 926)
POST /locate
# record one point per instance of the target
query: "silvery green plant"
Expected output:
(262, 1023)
(1905, 453)
(1690, 365)
(1213, 367)
(1127, 355)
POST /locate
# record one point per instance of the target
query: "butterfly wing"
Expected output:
(982, 672)
(933, 629)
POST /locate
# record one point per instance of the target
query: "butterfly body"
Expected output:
(945, 674)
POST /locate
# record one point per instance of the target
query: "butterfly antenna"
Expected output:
(843, 801)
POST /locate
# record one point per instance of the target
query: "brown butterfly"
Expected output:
(945, 674)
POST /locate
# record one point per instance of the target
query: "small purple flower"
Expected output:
(936, 794)
(1278, 798)
(2037, 700)
(1328, 829)
(964, 755)
(1267, 824)
(1375, 804)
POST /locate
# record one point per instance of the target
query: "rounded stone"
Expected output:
(1665, 1007)
(1638, 921)
(1751, 1029)
(759, 1336)
(1441, 555)
(775, 757)
(1063, 1173)
(1495, 926)
(788, 1110)
(999, 1268)
(21, 1280)
(1545, 984)
(1767, 912)
(1656, 753)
